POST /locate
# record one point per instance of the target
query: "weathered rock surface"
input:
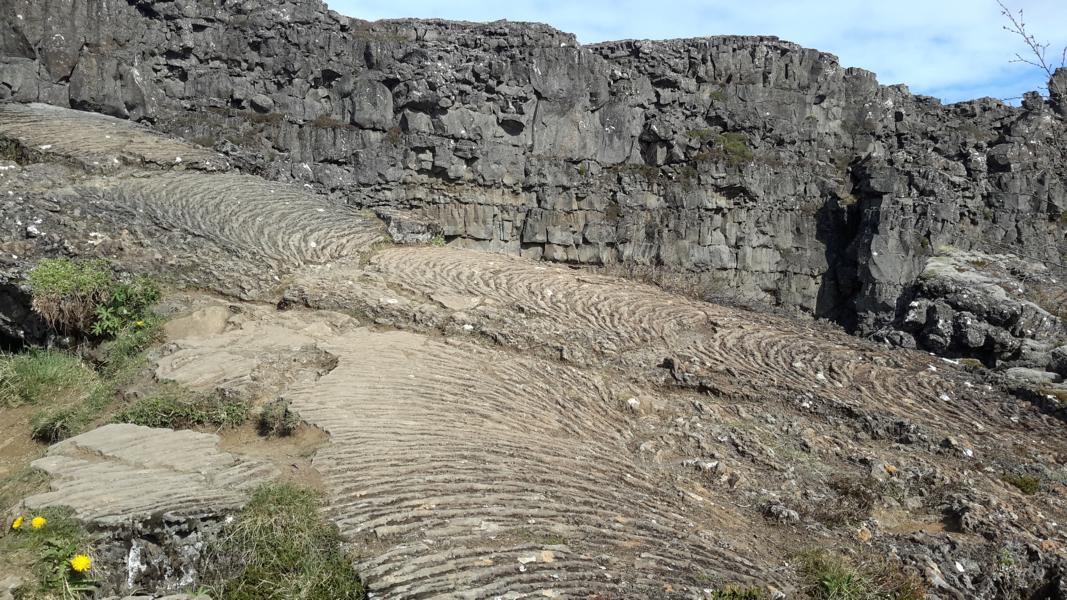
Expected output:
(505, 427)
(752, 162)
(127, 473)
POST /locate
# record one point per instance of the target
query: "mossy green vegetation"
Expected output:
(280, 547)
(1027, 484)
(170, 405)
(733, 146)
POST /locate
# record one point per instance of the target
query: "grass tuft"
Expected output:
(276, 420)
(829, 576)
(280, 547)
(79, 297)
(57, 423)
(16, 486)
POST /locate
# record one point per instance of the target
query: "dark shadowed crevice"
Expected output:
(144, 9)
(837, 227)
(19, 325)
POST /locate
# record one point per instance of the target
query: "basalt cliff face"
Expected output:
(747, 164)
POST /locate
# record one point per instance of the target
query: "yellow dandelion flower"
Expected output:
(81, 563)
(38, 522)
(139, 324)
(17, 523)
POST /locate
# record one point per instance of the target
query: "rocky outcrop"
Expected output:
(982, 306)
(152, 497)
(747, 162)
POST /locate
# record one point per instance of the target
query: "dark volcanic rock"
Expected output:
(753, 163)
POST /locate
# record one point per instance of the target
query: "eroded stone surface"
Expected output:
(122, 473)
(503, 426)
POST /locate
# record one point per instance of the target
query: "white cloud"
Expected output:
(952, 49)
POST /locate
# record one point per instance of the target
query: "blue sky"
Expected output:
(951, 49)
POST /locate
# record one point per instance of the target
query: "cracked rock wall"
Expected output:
(749, 163)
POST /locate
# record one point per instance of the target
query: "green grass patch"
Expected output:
(828, 576)
(44, 554)
(1027, 484)
(43, 377)
(123, 359)
(733, 147)
(280, 547)
(172, 406)
(57, 423)
(126, 351)
(700, 134)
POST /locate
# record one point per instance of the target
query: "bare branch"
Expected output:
(1039, 50)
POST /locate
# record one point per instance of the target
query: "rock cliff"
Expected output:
(745, 163)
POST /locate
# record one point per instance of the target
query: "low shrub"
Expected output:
(280, 547)
(276, 420)
(851, 503)
(125, 307)
(1027, 484)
